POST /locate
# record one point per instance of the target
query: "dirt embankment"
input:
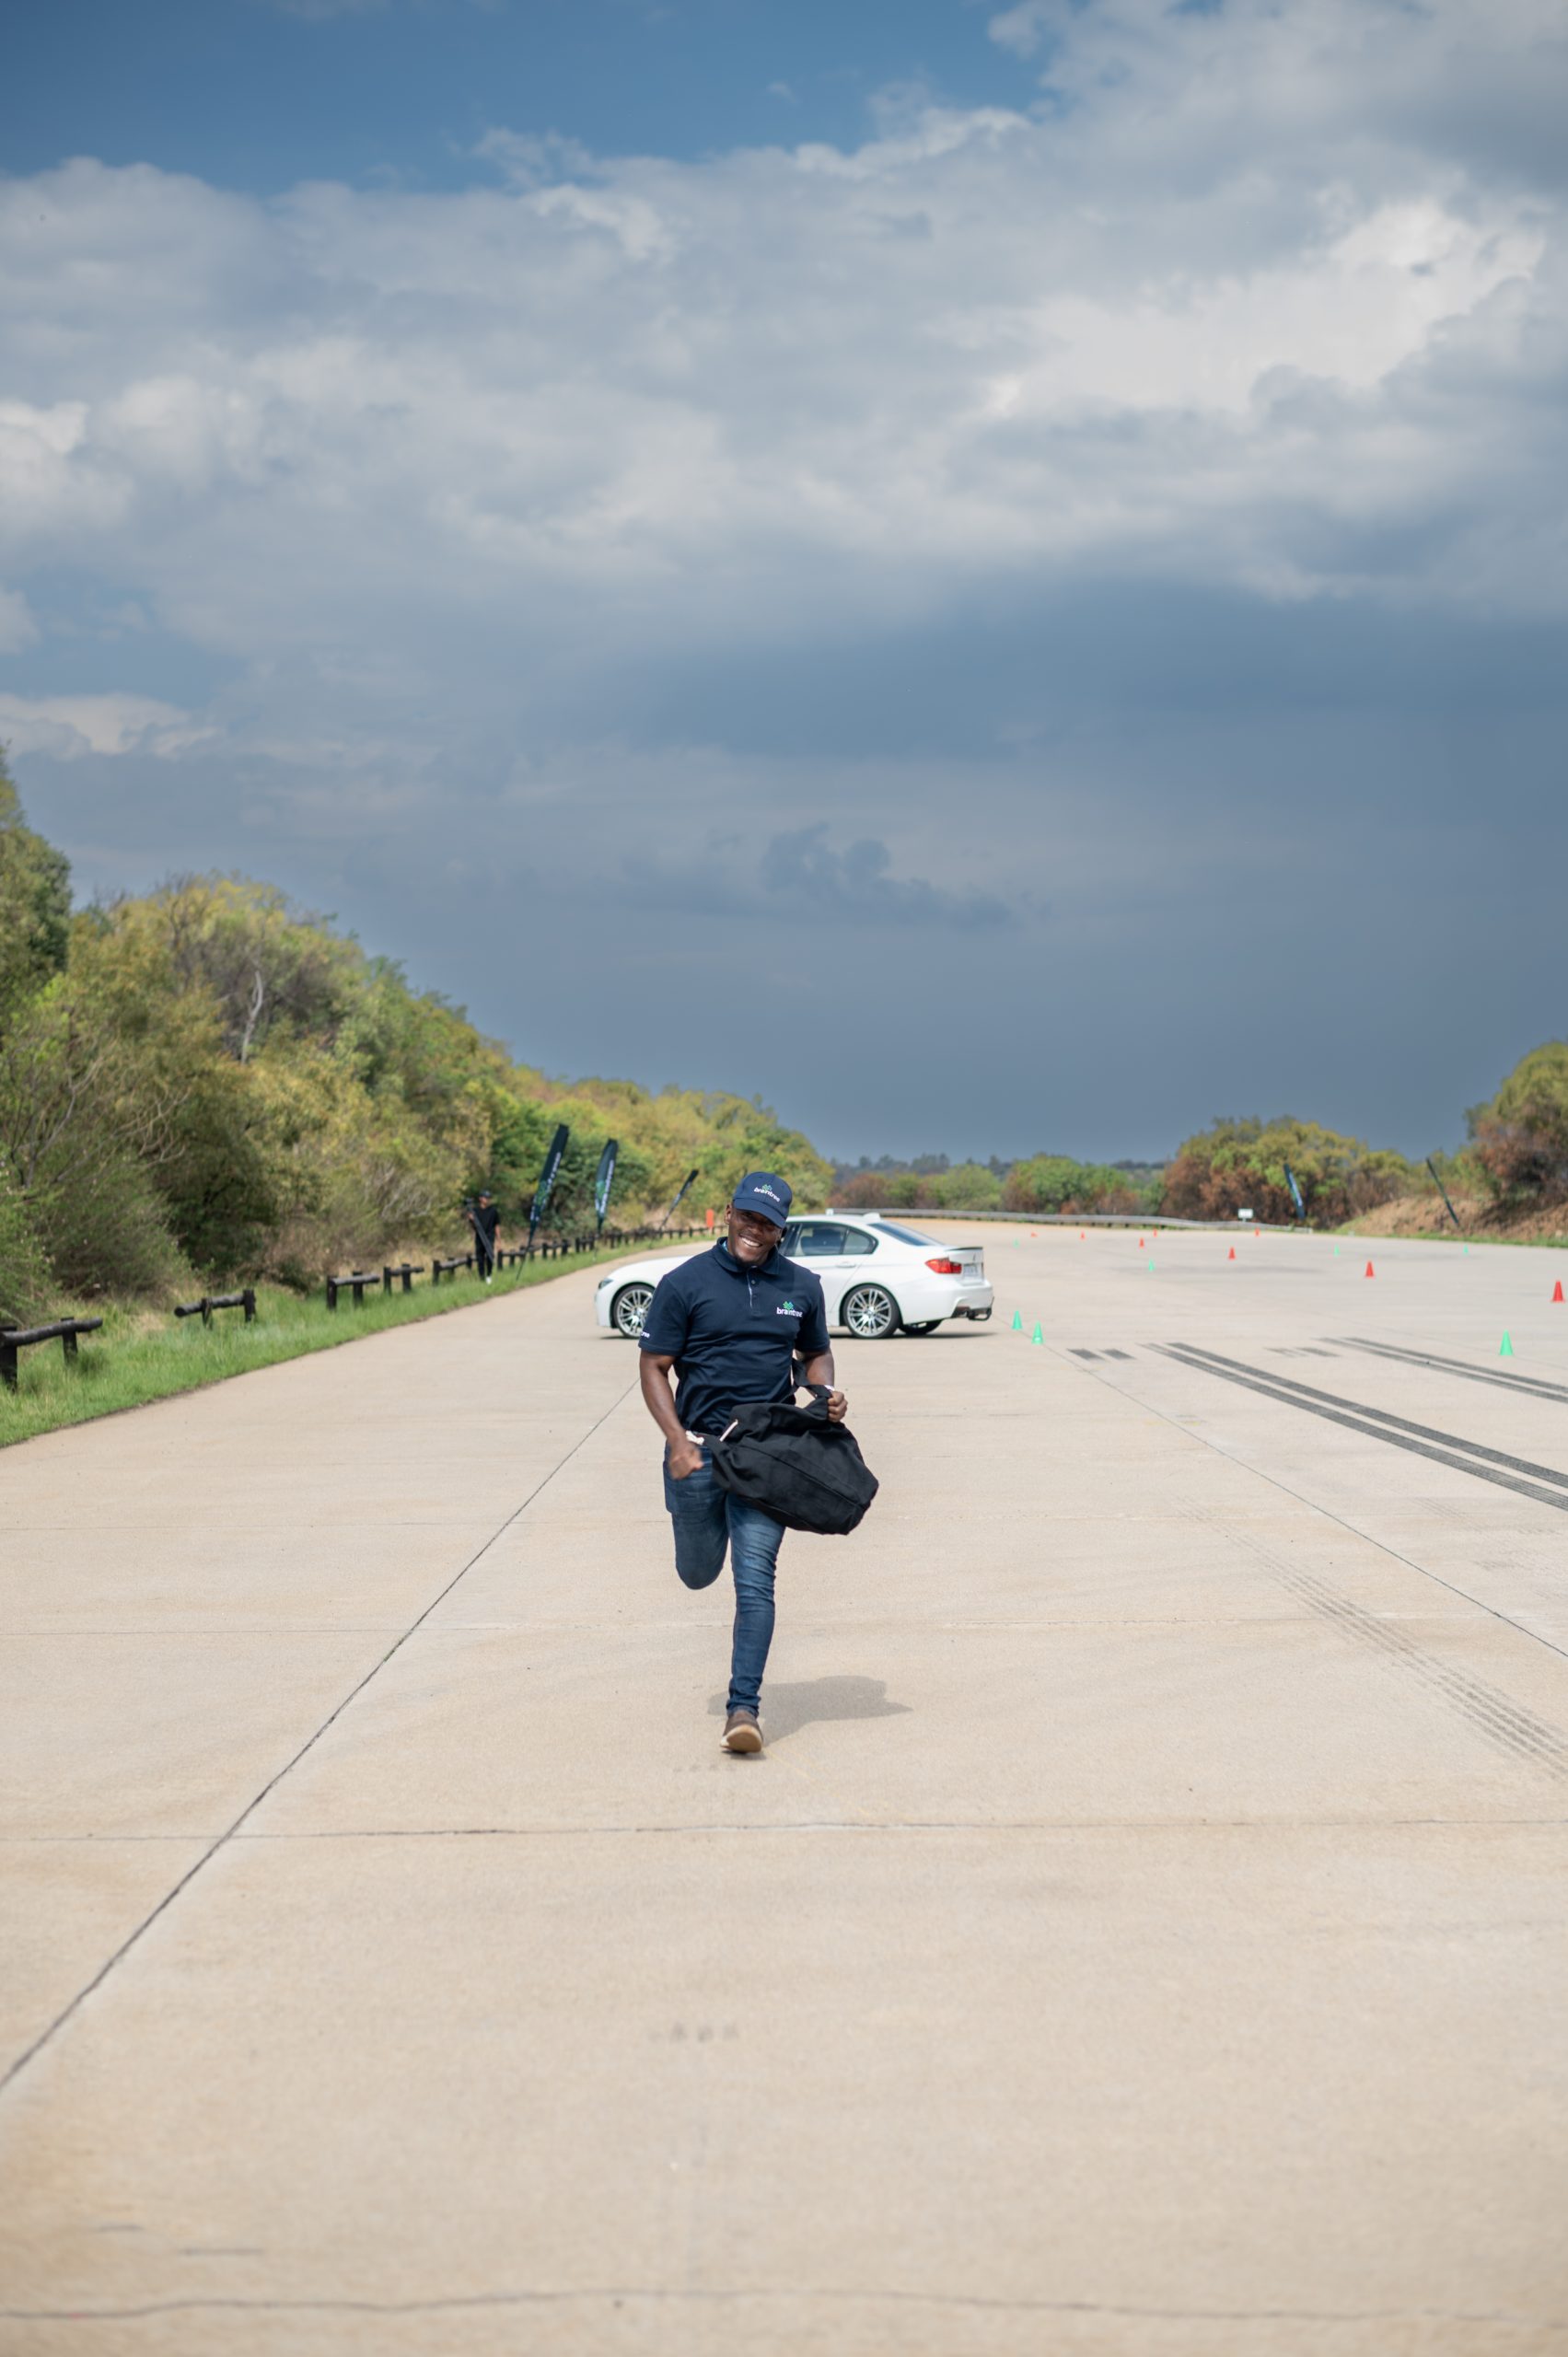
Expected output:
(1425, 1215)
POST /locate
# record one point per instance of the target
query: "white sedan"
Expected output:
(877, 1277)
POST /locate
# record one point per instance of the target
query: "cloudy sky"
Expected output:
(996, 576)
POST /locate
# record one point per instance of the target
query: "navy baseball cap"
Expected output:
(768, 1196)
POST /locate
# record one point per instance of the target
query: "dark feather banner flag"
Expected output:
(675, 1206)
(1443, 1191)
(547, 1179)
(604, 1180)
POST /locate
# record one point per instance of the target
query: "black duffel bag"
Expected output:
(796, 1464)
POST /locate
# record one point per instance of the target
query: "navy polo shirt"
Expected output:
(731, 1332)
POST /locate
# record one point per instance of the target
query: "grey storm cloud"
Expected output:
(799, 876)
(802, 872)
(1142, 501)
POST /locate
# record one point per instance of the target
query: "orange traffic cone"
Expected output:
(1557, 1290)
(1140, 1243)
(1370, 1270)
(1233, 1251)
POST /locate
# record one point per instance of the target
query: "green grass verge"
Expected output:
(142, 1355)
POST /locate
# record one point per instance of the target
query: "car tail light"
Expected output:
(946, 1267)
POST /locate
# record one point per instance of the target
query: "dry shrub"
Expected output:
(1521, 1138)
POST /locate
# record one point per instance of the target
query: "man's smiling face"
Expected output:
(751, 1237)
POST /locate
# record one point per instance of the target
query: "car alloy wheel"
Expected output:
(869, 1313)
(630, 1308)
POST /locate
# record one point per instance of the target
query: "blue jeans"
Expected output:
(707, 1520)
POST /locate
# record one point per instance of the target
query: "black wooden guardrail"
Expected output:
(355, 1283)
(210, 1301)
(359, 1282)
(549, 1247)
(63, 1330)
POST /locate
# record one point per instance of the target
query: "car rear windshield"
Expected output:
(905, 1234)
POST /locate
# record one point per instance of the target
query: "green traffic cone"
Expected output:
(1505, 1348)
(1151, 1268)
(1037, 1336)
(1017, 1322)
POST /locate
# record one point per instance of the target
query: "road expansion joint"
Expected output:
(902, 1825)
(45, 2036)
(665, 2295)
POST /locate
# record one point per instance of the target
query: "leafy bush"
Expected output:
(81, 1133)
(970, 1187)
(1521, 1137)
(880, 1190)
(669, 1133)
(35, 904)
(24, 1281)
(1054, 1182)
(1241, 1164)
(102, 1225)
(965, 1187)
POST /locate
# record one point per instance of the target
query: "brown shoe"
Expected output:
(742, 1732)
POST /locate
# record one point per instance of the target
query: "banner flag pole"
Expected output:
(1444, 1193)
(546, 1181)
(675, 1206)
(604, 1180)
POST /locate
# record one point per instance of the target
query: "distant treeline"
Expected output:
(203, 1082)
(1515, 1165)
(1045, 1182)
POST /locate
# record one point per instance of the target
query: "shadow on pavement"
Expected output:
(785, 1708)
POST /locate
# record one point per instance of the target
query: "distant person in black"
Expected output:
(485, 1220)
(729, 1324)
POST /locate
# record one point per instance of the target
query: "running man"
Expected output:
(728, 1323)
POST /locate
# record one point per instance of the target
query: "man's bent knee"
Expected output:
(702, 1575)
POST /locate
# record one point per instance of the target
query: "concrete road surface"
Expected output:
(1145, 1931)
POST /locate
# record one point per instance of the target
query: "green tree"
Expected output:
(204, 1077)
(35, 904)
(1521, 1137)
(78, 1139)
(1241, 1164)
(1056, 1183)
(967, 1187)
(25, 1279)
